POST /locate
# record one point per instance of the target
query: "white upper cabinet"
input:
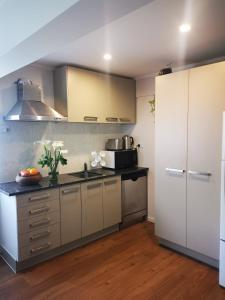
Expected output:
(88, 96)
(206, 104)
(171, 156)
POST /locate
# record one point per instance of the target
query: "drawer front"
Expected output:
(36, 209)
(37, 197)
(40, 247)
(41, 234)
(34, 223)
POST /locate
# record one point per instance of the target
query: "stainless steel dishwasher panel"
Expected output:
(134, 195)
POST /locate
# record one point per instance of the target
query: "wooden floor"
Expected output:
(125, 265)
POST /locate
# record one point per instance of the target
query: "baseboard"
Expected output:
(18, 266)
(188, 252)
(151, 219)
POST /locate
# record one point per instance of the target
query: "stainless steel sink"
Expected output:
(85, 174)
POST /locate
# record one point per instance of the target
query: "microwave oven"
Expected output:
(120, 159)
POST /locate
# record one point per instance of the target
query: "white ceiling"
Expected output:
(148, 38)
(30, 30)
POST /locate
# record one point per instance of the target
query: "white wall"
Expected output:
(17, 148)
(143, 133)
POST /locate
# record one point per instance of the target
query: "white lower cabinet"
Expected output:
(189, 107)
(111, 201)
(101, 204)
(92, 208)
(70, 205)
(37, 222)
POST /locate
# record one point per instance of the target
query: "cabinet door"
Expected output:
(92, 209)
(122, 99)
(206, 104)
(70, 203)
(85, 96)
(112, 201)
(171, 156)
(89, 96)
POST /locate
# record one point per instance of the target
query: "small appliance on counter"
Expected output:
(120, 159)
(128, 142)
(114, 144)
(120, 154)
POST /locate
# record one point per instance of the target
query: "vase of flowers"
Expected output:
(52, 157)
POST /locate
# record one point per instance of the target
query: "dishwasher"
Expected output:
(134, 197)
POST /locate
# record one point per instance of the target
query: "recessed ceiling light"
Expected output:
(107, 56)
(185, 28)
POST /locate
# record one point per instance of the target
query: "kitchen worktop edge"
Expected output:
(12, 188)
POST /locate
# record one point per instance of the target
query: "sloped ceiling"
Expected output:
(20, 19)
(30, 30)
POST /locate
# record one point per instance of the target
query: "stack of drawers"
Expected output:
(38, 223)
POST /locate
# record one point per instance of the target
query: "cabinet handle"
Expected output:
(89, 118)
(39, 235)
(38, 210)
(197, 173)
(37, 198)
(111, 119)
(39, 223)
(37, 249)
(175, 171)
(93, 186)
(110, 182)
(69, 191)
(125, 120)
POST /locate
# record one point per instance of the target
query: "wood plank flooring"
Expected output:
(125, 265)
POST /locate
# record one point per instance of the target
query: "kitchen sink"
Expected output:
(86, 174)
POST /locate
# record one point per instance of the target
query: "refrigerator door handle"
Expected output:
(175, 171)
(197, 173)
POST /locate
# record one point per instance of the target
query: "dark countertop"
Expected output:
(13, 188)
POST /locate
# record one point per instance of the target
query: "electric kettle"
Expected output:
(128, 142)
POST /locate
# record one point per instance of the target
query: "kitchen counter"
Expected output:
(13, 188)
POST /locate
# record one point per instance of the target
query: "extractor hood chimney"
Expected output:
(29, 106)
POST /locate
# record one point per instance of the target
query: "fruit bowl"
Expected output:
(28, 180)
(29, 176)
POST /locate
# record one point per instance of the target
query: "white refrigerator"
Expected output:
(222, 213)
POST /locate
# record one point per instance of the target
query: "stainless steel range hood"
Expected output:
(29, 106)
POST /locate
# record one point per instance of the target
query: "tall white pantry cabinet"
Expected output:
(189, 106)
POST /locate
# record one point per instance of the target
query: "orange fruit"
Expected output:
(33, 171)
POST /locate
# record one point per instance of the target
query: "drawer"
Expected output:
(37, 197)
(41, 234)
(40, 247)
(34, 223)
(36, 209)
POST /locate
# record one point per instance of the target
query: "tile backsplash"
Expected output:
(18, 151)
